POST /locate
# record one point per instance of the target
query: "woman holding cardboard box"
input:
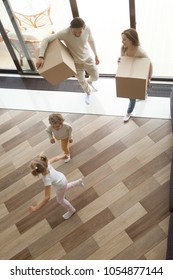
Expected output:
(131, 47)
(76, 37)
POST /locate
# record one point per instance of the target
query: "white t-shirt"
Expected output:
(54, 178)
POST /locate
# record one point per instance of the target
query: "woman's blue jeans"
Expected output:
(131, 106)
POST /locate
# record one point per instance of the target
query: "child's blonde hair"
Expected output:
(39, 165)
(56, 118)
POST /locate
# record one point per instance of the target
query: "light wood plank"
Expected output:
(132, 197)
(119, 224)
(96, 124)
(102, 202)
(9, 235)
(131, 152)
(152, 152)
(112, 247)
(7, 135)
(142, 245)
(55, 252)
(24, 240)
(3, 210)
(158, 252)
(163, 175)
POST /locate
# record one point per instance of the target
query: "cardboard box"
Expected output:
(58, 63)
(132, 77)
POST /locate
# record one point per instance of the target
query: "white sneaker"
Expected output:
(81, 183)
(87, 99)
(67, 159)
(127, 117)
(68, 214)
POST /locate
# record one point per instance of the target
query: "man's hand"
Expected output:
(39, 62)
(97, 60)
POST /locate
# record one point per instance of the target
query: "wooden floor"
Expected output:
(122, 213)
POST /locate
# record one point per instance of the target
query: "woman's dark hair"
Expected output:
(77, 22)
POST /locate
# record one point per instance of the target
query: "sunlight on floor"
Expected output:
(103, 102)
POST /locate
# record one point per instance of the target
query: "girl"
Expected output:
(131, 47)
(60, 130)
(52, 177)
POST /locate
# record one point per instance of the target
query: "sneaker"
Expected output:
(81, 183)
(67, 159)
(87, 99)
(68, 214)
(127, 117)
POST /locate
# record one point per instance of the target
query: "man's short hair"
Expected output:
(77, 22)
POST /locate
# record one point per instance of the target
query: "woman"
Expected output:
(131, 47)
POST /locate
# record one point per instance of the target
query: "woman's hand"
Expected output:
(119, 60)
(148, 82)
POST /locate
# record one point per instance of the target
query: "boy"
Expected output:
(60, 130)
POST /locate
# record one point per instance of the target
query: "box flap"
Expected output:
(133, 67)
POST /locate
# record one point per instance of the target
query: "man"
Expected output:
(77, 38)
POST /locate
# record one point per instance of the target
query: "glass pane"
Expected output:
(13, 40)
(61, 14)
(154, 24)
(42, 14)
(36, 19)
(6, 61)
(107, 19)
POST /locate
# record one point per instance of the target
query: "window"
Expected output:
(107, 19)
(33, 21)
(154, 23)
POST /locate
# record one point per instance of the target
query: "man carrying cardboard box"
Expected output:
(131, 48)
(77, 37)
